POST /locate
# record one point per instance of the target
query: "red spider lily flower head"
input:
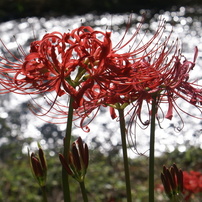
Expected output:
(61, 63)
(155, 69)
(163, 75)
(52, 61)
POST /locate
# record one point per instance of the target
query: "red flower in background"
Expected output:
(192, 183)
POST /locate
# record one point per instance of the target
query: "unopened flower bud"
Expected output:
(36, 166)
(78, 160)
(83, 152)
(65, 164)
(42, 159)
(172, 180)
(39, 166)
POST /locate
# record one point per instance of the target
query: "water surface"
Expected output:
(186, 26)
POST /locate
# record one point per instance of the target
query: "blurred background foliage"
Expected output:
(12, 9)
(104, 180)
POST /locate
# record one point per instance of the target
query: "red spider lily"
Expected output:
(84, 64)
(136, 78)
(52, 61)
(160, 71)
(61, 63)
(164, 79)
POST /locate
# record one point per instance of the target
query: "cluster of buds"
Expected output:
(39, 166)
(172, 180)
(77, 163)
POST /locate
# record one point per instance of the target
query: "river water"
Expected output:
(186, 25)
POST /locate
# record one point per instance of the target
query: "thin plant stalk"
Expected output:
(67, 139)
(125, 155)
(83, 191)
(44, 194)
(152, 148)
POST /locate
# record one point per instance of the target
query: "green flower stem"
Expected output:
(65, 177)
(178, 198)
(83, 191)
(44, 194)
(151, 155)
(125, 155)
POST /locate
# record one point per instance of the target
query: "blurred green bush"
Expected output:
(104, 180)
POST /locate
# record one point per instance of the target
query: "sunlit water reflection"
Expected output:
(186, 26)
